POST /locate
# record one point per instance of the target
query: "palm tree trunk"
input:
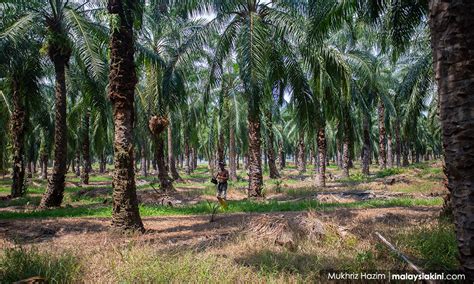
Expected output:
(18, 141)
(122, 81)
(44, 166)
(301, 154)
(405, 152)
(165, 181)
(144, 169)
(153, 163)
(366, 147)
(296, 156)
(187, 154)
(220, 149)
(29, 170)
(452, 39)
(76, 165)
(103, 163)
(321, 178)
(210, 161)
(382, 135)
(86, 160)
(281, 156)
(55, 191)
(195, 158)
(255, 158)
(340, 158)
(171, 159)
(232, 153)
(398, 141)
(274, 174)
(345, 156)
(389, 151)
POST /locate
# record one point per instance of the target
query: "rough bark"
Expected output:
(144, 169)
(55, 191)
(187, 158)
(389, 151)
(44, 166)
(18, 142)
(382, 135)
(76, 164)
(398, 141)
(220, 149)
(181, 161)
(345, 156)
(339, 157)
(153, 164)
(171, 159)
(405, 153)
(158, 125)
(103, 164)
(274, 174)
(29, 169)
(232, 153)
(321, 175)
(316, 155)
(366, 145)
(86, 157)
(195, 158)
(452, 38)
(238, 161)
(165, 181)
(281, 156)
(296, 156)
(254, 159)
(122, 81)
(301, 154)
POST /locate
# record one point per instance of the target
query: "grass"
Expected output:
(139, 266)
(241, 259)
(92, 179)
(234, 207)
(389, 172)
(435, 247)
(424, 187)
(21, 263)
(25, 200)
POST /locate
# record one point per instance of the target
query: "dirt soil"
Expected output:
(195, 231)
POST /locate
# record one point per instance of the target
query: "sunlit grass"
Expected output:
(233, 207)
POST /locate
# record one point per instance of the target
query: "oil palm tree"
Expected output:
(121, 92)
(57, 22)
(450, 42)
(166, 70)
(21, 75)
(254, 28)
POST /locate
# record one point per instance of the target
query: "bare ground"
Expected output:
(91, 233)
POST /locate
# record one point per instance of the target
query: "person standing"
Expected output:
(222, 178)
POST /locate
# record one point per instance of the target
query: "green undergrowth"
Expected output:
(21, 263)
(99, 210)
(433, 246)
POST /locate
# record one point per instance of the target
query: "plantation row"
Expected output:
(164, 84)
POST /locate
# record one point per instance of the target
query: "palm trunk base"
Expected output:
(55, 192)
